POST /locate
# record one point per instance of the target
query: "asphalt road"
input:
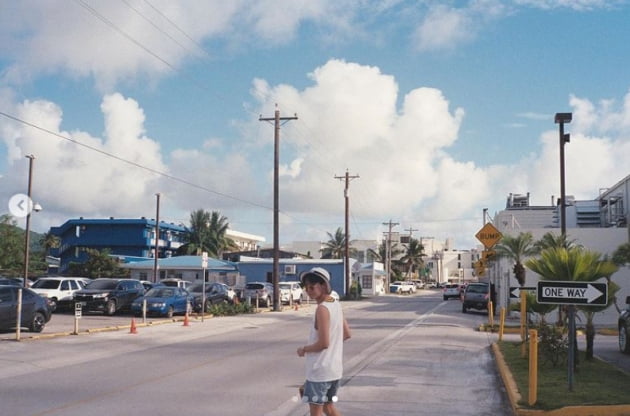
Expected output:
(418, 347)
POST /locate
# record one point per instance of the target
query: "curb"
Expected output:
(514, 396)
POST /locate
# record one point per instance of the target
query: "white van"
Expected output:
(59, 290)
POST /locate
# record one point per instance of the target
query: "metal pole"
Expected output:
(27, 237)
(157, 238)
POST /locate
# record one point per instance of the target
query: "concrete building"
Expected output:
(599, 225)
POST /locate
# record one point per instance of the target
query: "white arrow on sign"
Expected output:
(590, 293)
(515, 292)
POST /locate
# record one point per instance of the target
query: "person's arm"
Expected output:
(346, 330)
(322, 316)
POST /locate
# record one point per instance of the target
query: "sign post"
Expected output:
(78, 312)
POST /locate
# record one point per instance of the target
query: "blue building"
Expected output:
(129, 239)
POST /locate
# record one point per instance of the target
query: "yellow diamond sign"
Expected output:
(489, 235)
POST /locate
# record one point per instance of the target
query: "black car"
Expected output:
(215, 293)
(624, 328)
(36, 310)
(9, 281)
(477, 296)
(109, 295)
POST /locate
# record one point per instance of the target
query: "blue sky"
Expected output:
(441, 108)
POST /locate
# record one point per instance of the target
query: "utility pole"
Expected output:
(411, 230)
(277, 120)
(157, 239)
(347, 178)
(388, 251)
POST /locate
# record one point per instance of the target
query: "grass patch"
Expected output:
(595, 382)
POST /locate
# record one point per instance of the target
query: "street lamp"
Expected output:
(30, 207)
(561, 119)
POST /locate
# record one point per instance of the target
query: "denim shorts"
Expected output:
(320, 392)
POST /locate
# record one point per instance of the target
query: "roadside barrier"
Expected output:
(132, 328)
(186, 322)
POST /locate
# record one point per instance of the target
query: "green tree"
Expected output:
(207, 233)
(335, 247)
(98, 264)
(48, 241)
(577, 264)
(11, 246)
(380, 254)
(621, 256)
(551, 240)
(517, 249)
(413, 257)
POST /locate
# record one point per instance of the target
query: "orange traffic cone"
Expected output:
(132, 328)
(186, 323)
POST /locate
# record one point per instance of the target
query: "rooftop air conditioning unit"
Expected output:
(289, 269)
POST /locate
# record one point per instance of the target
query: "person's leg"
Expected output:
(316, 409)
(330, 409)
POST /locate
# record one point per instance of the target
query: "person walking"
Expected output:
(324, 351)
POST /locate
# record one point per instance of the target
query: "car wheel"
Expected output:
(110, 307)
(464, 310)
(624, 342)
(38, 322)
(169, 312)
(445, 297)
(53, 304)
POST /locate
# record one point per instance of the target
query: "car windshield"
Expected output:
(173, 283)
(254, 286)
(284, 285)
(160, 292)
(102, 284)
(46, 284)
(477, 289)
(197, 287)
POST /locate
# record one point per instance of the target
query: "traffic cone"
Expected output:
(186, 323)
(132, 328)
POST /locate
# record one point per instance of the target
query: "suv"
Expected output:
(477, 296)
(451, 290)
(35, 309)
(624, 328)
(290, 292)
(262, 291)
(58, 290)
(109, 295)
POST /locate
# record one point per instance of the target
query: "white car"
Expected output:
(402, 287)
(58, 290)
(451, 290)
(290, 292)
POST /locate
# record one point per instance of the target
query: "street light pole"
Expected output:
(157, 238)
(561, 119)
(27, 238)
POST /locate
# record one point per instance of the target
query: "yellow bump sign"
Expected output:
(489, 235)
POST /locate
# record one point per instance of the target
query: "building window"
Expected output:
(366, 282)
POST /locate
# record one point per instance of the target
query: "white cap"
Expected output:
(319, 272)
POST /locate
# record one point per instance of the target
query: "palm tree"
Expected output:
(207, 233)
(413, 255)
(516, 249)
(335, 247)
(551, 240)
(49, 241)
(577, 264)
(380, 254)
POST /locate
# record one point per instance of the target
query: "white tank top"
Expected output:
(327, 365)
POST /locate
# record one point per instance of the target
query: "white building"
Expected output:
(599, 225)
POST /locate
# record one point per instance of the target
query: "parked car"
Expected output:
(10, 281)
(173, 282)
(150, 285)
(451, 290)
(477, 296)
(262, 291)
(36, 310)
(164, 301)
(59, 290)
(290, 292)
(402, 287)
(109, 295)
(623, 324)
(215, 293)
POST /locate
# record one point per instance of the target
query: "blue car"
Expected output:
(164, 301)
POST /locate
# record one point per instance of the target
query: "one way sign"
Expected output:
(572, 293)
(515, 291)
